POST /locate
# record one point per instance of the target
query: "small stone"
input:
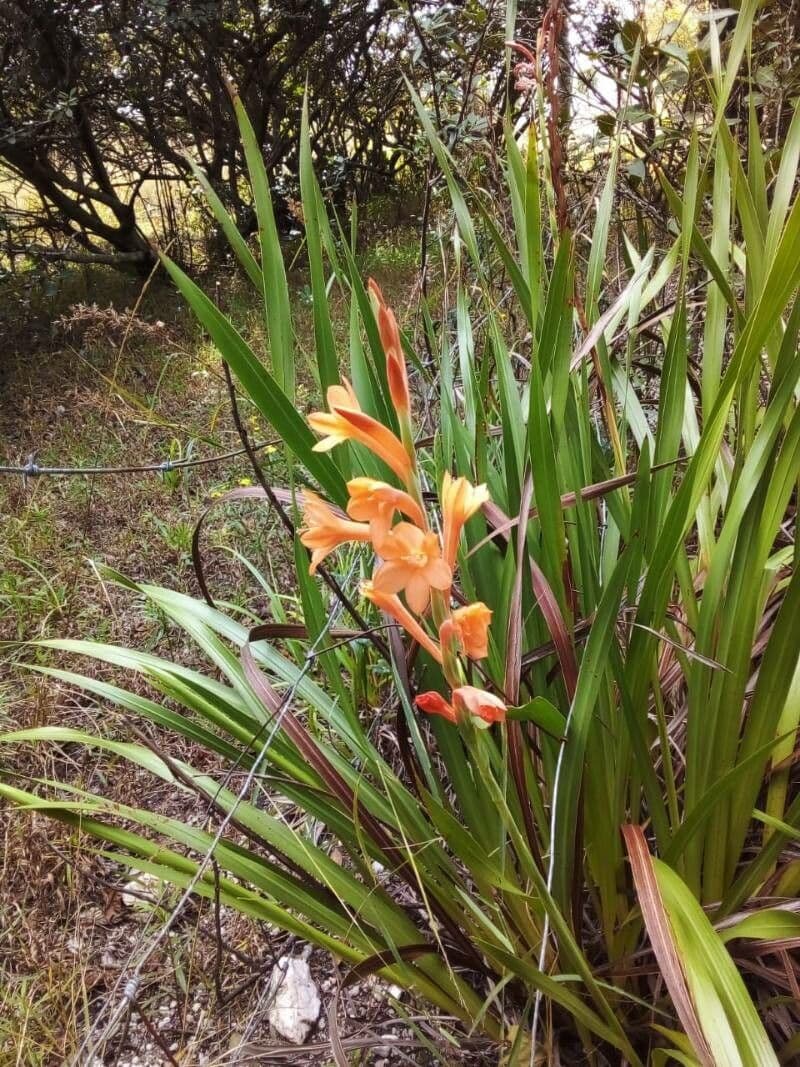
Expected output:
(395, 991)
(295, 1003)
(142, 883)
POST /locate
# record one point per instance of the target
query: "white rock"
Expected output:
(142, 882)
(295, 1003)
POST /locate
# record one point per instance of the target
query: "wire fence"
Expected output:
(108, 1021)
(30, 469)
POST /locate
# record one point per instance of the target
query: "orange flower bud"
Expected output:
(435, 704)
(471, 625)
(396, 370)
(467, 700)
(471, 701)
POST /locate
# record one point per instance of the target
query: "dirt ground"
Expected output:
(87, 386)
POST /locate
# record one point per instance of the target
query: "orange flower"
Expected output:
(396, 371)
(467, 700)
(471, 625)
(376, 502)
(412, 562)
(460, 501)
(393, 605)
(324, 529)
(471, 701)
(347, 422)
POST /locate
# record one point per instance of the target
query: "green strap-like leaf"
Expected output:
(260, 386)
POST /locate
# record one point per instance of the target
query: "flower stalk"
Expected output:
(413, 560)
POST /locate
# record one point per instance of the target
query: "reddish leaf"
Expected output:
(661, 938)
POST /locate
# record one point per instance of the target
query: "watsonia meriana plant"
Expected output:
(594, 821)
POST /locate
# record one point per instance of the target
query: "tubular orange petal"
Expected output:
(460, 501)
(435, 704)
(471, 626)
(347, 422)
(418, 593)
(391, 577)
(333, 429)
(412, 562)
(369, 499)
(324, 529)
(393, 606)
(438, 574)
(471, 701)
(373, 435)
(342, 396)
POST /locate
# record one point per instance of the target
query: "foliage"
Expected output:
(643, 654)
(101, 104)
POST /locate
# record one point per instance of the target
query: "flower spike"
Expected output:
(396, 371)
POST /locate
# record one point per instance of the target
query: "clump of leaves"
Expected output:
(641, 670)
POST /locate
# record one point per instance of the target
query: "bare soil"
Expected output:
(107, 388)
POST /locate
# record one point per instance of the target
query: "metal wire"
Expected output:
(33, 470)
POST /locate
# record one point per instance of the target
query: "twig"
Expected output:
(156, 1036)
